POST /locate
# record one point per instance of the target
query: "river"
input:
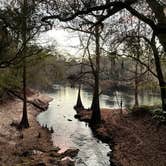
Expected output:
(71, 133)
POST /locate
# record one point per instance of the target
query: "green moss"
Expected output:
(9, 79)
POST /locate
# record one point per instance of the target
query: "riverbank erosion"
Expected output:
(31, 146)
(136, 140)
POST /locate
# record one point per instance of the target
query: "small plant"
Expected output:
(159, 114)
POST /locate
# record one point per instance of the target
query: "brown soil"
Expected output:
(137, 140)
(28, 147)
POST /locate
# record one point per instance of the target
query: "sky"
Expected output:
(64, 41)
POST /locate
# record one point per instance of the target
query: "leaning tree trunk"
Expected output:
(79, 104)
(95, 107)
(160, 29)
(24, 122)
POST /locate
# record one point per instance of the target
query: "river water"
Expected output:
(71, 133)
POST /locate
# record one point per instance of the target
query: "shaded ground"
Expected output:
(137, 140)
(30, 146)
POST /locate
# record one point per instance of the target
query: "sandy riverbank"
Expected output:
(30, 146)
(137, 141)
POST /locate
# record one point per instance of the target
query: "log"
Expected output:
(36, 102)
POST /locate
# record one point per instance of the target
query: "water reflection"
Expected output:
(69, 132)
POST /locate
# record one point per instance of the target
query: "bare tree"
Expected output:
(150, 12)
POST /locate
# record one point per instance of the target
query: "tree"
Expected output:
(28, 29)
(91, 44)
(92, 68)
(22, 21)
(95, 107)
(150, 12)
(155, 60)
(24, 121)
(79, 104)
(67, 12)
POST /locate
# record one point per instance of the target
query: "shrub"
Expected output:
(141, 111)
(159, 115)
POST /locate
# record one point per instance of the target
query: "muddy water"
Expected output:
(69, 132)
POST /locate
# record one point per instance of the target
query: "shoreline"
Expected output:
(31, 146)
(134, 141)
(100, 133)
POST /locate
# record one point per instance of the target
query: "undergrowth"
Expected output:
(155, 111)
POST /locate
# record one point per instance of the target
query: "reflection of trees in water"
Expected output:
(75, 134)
(110, 102)
(127, 98)
(145, 98)
(113, 98)
(88, 90)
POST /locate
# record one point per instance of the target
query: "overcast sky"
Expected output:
(65, 42)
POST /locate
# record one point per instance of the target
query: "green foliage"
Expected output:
(10, 78)
(159, 115)
(156, 112)
(44, 70)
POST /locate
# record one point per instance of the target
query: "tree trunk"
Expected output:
(163, 95)
(24, 122)
(161, 33)
(95, 107)
(160, 30)
(161, 80)
(136, 68)
(79, 104)
(136, 90)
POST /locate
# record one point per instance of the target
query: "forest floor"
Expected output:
(137, 140)
(28, 147)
